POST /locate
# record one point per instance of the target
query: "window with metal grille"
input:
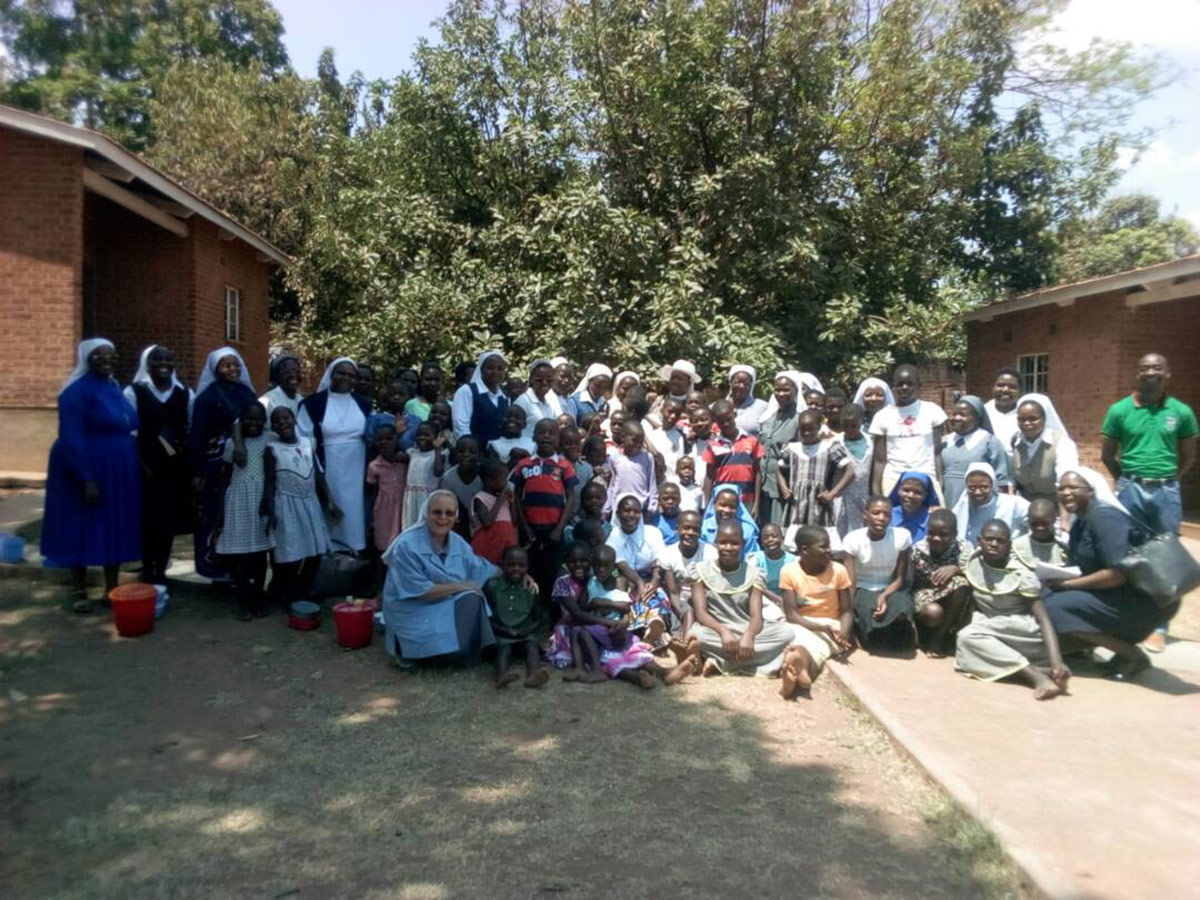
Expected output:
(1035, 373)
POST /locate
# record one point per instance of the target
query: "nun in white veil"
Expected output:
(336, 419)
(1043, 451)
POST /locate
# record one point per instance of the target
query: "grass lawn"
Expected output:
(219, 759)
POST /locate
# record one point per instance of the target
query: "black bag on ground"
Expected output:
(1161, 568)
(343, 575)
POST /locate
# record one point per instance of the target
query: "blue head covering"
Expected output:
(981, 416)
(917, 522)
(708, 526)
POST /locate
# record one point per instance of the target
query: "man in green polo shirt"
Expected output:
(1149, 444)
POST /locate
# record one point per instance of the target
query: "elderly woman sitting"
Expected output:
(433, 602)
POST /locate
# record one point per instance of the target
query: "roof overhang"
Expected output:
(1175, 280)
(117, 165)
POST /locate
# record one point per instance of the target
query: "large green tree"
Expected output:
(832, 182)
(1127, 232)
(95, 62)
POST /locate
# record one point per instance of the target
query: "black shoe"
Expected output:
(1129, 669)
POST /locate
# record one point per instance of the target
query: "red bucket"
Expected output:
(133, 608)
(355, 624)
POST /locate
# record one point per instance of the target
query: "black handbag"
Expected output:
(1161, 568)
(343, 575)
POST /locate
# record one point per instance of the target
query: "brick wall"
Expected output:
(219, 263)
(40, 267)
(1093, 347)
(140, 276)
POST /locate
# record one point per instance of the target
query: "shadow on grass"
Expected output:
(219, 759)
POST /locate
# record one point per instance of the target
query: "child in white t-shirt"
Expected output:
(877, 559)
(908, 434)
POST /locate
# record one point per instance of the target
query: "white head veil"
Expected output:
(209, 375)
(749, 370)
(558, 361)
(962, 509)
(621, 376)
(142, 376)
(82, 352)
(477, 375)
(797, 384)
(811, 382)
(595, 370)
(1053, 420)
(1103, 493)
(421, 521)
(889, 399)
(328, 376)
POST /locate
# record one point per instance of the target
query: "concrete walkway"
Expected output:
(1096, 794)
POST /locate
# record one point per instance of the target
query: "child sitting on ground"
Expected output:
(876, 556)
(939, 589)
(1010, 634)
(816, 601)
(667, 517)
(605, 595)
(511, 446)
(771, 558)
(515, 620)
(493, 523)
(426, 463)
(676, 564)
(812, 474)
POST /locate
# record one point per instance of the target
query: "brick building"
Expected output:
(1080, 344)
(95, 242)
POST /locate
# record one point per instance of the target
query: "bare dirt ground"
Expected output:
(220, 759)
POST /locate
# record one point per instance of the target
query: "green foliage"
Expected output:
(829, 183)
(1126, 233)
(95, 61)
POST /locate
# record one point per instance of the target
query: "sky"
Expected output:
(378, 37)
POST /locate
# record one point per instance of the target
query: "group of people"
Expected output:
(605, 525)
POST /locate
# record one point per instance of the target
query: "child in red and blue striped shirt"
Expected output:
(544, 486)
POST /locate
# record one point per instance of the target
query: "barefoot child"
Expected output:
(676, 564)
(244, 540)
(939, 588)
(515, 620)
(727, 601)
(816, 601)
(1009, 634)
(877, 560)
(493, 529)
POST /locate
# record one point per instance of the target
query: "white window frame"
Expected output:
(1037, 379)
(233, 314)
